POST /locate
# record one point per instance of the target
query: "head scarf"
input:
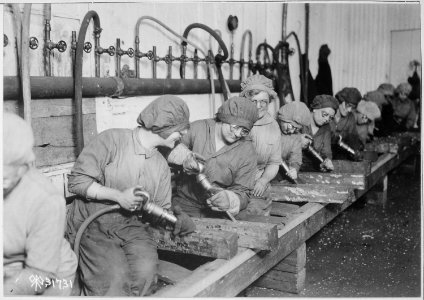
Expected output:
(18, 140)
(349, 95)
(404, 88)
(295, 113)
(238, 111)
(370, 109)
(258, 82)
(165, 115)
(387, 89)
(324, 101)
(377, 97)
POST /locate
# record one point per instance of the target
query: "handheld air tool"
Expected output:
(146, 206)
(286, 170)
(345, 146)
(208, 187)
(314, 152)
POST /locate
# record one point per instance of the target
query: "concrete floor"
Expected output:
(367, 251)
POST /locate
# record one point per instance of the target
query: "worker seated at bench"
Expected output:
(365, 114)
(343, 126)
(404, 112)
(265, 135)
(229, 162)
(292, 118)
(118, 255)
(384, 125)
(323, 108)
(37, 260)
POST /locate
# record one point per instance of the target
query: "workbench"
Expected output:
(240, 254)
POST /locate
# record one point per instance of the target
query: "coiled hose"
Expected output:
(218, 58)
(78, 76)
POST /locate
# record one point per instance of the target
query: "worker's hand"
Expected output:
(191, 163)
(326, 165)
(129, 199)
(260, 187)
(305, 140)
(184, 225)
(292, 173)
(358, 156)
(225, 201)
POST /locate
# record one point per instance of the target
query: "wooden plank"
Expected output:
(265, 219)
(355, 167)
(283, 281)
(262, 236)
(54, 138)
(356, 181)
(44, 108)
(309, 193)
(260, 292)
(229, 279)
(171, 273)
(215, 244)
(294, 262)
(282, 209)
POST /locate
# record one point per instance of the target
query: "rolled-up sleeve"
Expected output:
(91, 164)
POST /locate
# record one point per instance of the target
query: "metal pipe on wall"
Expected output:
(47, 29)
(306, 65)
(62, 87)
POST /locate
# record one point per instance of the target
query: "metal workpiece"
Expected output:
(286, 170)
(160, 213)
(246, 34)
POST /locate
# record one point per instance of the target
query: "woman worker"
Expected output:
(404, 113)
(36, 256)
(118, 255)
(292, 118)
(230, 161)
(323, 109)
(344, 125)
(366, 113)
(265, 136)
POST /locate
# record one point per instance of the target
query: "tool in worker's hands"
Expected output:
(345, 146)
(232, 24)
(287, 171)
(152, 209)
(208, 187)
(317, 156)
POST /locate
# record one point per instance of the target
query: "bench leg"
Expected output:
(288, 275)
(378, 193)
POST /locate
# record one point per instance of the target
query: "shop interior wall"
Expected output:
(359, 36)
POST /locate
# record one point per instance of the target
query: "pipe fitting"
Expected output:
(110, 50)
(33, 43)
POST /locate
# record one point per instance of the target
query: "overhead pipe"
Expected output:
(247, 33)
(219, 59)
(62, 87)
(284, 22)
(78, 84)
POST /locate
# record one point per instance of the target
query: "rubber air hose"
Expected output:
(218, 57)
(78, 76)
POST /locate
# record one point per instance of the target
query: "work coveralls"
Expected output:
(346, 127)
(118, 255)
(34, 223)
(233, 168)
(265, 136)
(322, 143)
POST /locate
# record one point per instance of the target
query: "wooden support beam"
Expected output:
(378, 193)
(283, 281)
(215, 244)
(260, 292)
(309, 193)
(282, 209)
(265, 219)
(294, 262)
(356, 167)
(262, 236)
(356, 181)
(171, 273)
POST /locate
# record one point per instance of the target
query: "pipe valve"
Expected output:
(61, 46)
(87, 47)
(110, 50)
(33, 43)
